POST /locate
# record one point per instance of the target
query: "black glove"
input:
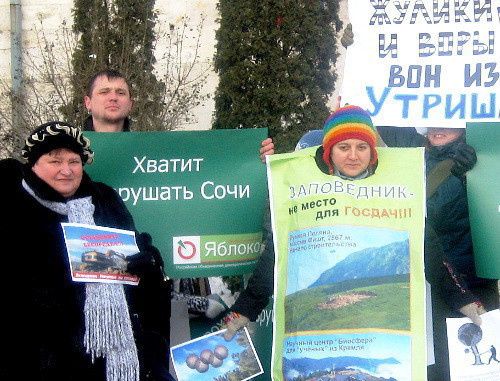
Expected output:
(147, 259)
(347, 37)
(464, 159)
(139, 263)
(156, 357)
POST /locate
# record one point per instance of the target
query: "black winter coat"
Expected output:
(43, 307)
(255, 297)
(447, 209)
(88, 124)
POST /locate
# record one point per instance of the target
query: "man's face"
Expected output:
(110, 101)
(442, 136)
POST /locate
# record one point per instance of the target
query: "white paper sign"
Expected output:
(424, 63)
(473, 350)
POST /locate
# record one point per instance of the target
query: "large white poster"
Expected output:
(424, 62)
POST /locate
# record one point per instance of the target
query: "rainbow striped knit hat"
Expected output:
(348, 122)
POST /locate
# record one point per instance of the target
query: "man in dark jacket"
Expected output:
(109, 101)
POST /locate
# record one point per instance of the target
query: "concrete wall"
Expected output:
(196, 11)
(52, 13)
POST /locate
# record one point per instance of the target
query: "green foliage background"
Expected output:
(274, 59)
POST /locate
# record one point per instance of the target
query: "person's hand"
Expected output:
(147, 259)
(267, 149)
(347, 36)
(464, 159)
(336, 104)
(138, 264)
(234, 325)
(472, 311)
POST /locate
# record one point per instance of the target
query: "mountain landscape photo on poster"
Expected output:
(368, 278)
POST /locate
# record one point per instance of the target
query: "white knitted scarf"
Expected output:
(108, 329)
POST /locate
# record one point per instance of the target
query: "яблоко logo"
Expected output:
(186, 249)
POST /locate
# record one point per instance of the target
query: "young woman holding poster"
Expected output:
(349, 152)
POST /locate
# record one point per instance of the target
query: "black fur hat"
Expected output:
(55, 135)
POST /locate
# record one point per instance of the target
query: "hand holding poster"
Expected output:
(349, 281)
(424, 63)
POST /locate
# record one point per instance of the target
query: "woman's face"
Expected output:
(351, 157)
(62, 169)
(442, 136)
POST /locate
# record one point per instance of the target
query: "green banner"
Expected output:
(484, 197)
(350, 289)
(200, 194)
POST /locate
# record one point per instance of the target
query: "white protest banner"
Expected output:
(424, 63)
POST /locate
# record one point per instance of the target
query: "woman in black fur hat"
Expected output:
(57, 329)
